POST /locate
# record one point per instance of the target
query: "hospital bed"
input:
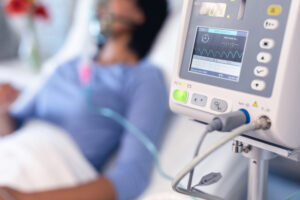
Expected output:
(181, 133)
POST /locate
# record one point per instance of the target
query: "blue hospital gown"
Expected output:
(136, 92)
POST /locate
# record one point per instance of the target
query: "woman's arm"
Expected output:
(147, 110)
(7, 123)
(100, 189)
(8, 95)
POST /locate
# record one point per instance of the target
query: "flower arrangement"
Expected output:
(29, 7)
(30, 10)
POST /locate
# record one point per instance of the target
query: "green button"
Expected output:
(180, 95)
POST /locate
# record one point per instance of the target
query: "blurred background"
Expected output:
(32, 47)
(59, 31)
(51, 31)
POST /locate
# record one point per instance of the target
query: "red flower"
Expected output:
(17, 7)
(41, 11)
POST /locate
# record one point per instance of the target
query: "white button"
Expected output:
(264, 57)
(258, 85)
(271, 24)
(267, 43)
(261, 71)
(219, 105)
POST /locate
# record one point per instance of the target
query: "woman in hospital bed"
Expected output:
(122, 80)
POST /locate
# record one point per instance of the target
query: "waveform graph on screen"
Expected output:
(235, 55)
(220, 44)
(219, 52)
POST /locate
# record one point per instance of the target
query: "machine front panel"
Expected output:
(235, 44)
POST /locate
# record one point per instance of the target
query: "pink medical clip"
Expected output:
(85, 74)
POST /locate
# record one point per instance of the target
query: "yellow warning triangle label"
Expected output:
(255, 104)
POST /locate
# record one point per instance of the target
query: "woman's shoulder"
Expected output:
(146, 78)
(68, 69)
(148, 71)
(68, 65)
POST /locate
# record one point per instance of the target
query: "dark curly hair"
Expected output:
(155, 11)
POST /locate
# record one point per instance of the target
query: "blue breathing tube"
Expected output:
(294, 196)
(108, 113)
(85, 76)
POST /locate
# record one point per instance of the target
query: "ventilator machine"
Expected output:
(237, 69)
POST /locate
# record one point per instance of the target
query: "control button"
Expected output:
(199, 100)
(271, 24)
(180, 95)
(264, 57)
(219, 105)
(261, 71)
(258, 85)
(274, 10)
(267, 43)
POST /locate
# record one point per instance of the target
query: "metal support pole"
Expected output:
(258, 173)
(259, 154)
(258, 179)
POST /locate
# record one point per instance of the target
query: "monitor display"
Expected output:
(213, 9)
(217, 9)
(219, 53)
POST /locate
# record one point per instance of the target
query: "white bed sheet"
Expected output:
(40, 157)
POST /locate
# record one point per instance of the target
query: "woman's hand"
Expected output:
(8, 94)
(13, 194)
(100, 189)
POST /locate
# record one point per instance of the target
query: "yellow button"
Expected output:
(274, 10)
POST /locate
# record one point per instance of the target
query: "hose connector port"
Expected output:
(263, 123)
